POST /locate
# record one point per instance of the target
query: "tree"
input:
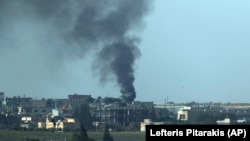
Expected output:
(107, 136)
(3, 119)
(90, 99)
(84, 116)
(82, 136)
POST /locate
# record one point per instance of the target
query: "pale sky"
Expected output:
(191, 50)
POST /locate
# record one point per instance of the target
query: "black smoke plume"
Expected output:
(119, 58)
(77, 27)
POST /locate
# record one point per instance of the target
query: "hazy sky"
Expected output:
(189, 51)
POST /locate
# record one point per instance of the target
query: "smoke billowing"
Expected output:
(119, 58)
(62, 30)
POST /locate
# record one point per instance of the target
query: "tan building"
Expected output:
(148, 122)
(50, 125)
(144, 123)
(225, 121)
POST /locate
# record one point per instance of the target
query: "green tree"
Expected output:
(107, 136)
(82, 136)
(3, 119)
(84, 116)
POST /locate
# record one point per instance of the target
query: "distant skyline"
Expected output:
(189, 51)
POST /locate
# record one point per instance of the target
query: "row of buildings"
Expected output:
(36, 113)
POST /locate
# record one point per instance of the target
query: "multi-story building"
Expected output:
(77, 100)
(121, 113)
(13, 103)
(17, 101)
(39, 103)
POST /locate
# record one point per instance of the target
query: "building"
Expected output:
(76, 100)
(225, 121)
(26, 122)
(120, 113)
(182, 114)
(39, 113)
(39, 103)
(1, 96)
(69, 123)
(148, 122)
(17, 101)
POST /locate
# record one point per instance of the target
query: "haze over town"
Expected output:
(181, 50)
